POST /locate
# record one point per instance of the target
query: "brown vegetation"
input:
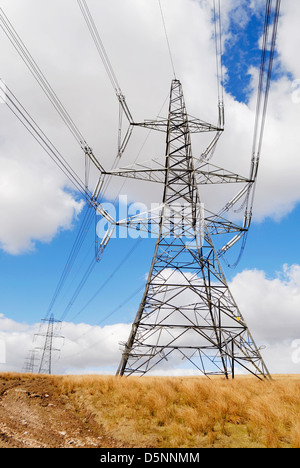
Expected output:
(179, 412)
(192, 412)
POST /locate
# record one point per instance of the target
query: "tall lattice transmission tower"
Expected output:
(187, 310)
(30, 363)
(50, 336)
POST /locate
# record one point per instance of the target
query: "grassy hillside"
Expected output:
(157, 412)
(191, 412)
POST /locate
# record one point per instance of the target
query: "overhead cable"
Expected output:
(33, 128)
(219, 58)
(272, 15)
(83, 230)
(103, 55)
(167, 38)
(29, 61)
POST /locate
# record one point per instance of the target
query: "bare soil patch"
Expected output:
(33, 414)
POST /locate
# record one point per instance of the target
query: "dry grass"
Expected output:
(191, 412)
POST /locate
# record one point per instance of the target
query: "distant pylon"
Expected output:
(45, 366)
(30, 362)
(187, 310)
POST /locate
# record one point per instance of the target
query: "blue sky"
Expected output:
(46, 263)
(244, 51)
(31, 279)
(28, 279)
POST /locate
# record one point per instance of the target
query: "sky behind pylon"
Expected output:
(40, 215)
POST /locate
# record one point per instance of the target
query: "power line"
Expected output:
(33, 128)
(80, 286)
(219, 59)
(35, 70)
(167, 38)
(113, 312)
(122, 143)
(38, 75)
(263, 94)
(99, 45)
(265, 75)
(110, 277)
(103, 55)
(83, 230)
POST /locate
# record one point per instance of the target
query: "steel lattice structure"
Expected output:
(45, 366)
(187, 307)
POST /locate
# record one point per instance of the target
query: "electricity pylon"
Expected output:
(187, 309)
(30, 362)
(45, 366)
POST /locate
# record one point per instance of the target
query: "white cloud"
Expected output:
(82, 346)
(133, 35)
(270, 307)
(91, 347)
(33, 206)
(289, 36)
(17, 339)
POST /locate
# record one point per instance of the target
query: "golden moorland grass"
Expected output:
(165, 412)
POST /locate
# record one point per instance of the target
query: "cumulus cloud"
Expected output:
(134, 37)
(270, 307)
(33, 206)
(289, 36)
(82, 348)
(16, 339)
(89, 347)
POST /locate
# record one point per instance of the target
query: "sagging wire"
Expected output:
(264, 84)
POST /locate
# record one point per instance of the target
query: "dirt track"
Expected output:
(34, 415)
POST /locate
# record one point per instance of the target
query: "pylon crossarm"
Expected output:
(212, 174)
(181, 224)
(140, 173)
(195, 125)
(222, 226)
(148, 221)
(218, 224)
(154, 171)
